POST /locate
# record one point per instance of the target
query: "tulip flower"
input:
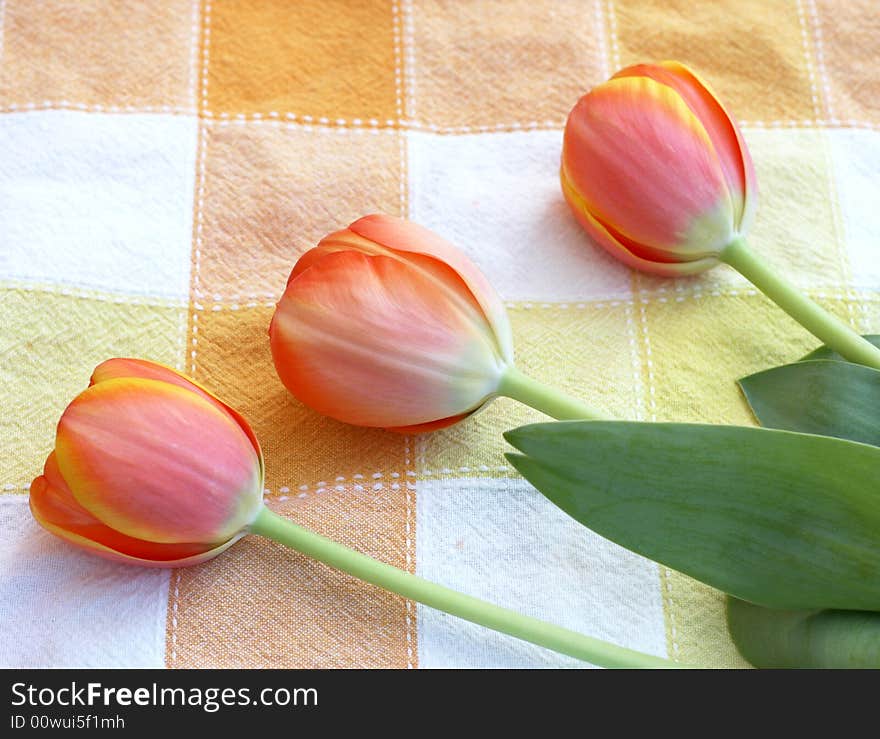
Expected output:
(386, 324)
(151, 469)
(657, 172)
(194, 462)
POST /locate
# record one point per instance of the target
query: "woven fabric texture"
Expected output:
(162, 166)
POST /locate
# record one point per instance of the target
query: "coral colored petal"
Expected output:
(390, 236)
(643, 162)
(55, 508)
(158, 462)
(343, 240)
(740, 160)
(122, 367)
(626, 251)
(405, 236)
(374, 341)
(722, 129)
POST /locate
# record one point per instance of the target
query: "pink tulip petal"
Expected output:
(55, 508)
(627, 251)
(405, 237)
(733, 154)
(156, 461)
(391, 236)
(120, 367)
(642, 161)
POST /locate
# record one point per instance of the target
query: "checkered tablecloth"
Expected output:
(163, 164)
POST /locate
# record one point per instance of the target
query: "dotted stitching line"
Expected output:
(217, 307)
(603, 41)
(659, 295)
(409, 55)
(649, 361)
(2, 26)
(196, 29)
(865, 319)
(94, 107)
(195, 36)
(175, 607)
(850, 298)
(180, 365)
(358, 480)
(323, 123)
(805, 42)
(344, 128)
(88, 294)
(612, 33)
(635, 362)
(9, 487)
(673, 628)
(200, 195)
(820, 59)
(398, 92)
(812, 123)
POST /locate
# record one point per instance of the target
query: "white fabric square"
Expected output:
(61, 607)
(98, 201)
(502, 541)
(856, 155)
(497, 197)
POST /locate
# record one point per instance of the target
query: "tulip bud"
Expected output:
(657, 171)
(149, 468)
(386, 324)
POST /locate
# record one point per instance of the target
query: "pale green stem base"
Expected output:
(586, 648)
(514, 384)
(816, 320)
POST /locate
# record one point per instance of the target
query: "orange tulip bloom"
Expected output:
(657, 171)
(149, 468)
(386, 324)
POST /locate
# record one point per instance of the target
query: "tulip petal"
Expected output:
(642, 161)
(55, 509)
(122, 367)
(158, 462)
(627, 251)
(733, 154)
(389, 235)
(424, 428)
(375, 341)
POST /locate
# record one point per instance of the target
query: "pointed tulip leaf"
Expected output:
(836, 639)
(818, 397)
(777, 518)
(826, 352)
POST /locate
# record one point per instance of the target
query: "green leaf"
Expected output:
(777, 518)
(813, 639)
(825, 352)
(818, 397)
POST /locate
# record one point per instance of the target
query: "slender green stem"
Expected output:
(596, 651)
(514, 384)
(815, 319)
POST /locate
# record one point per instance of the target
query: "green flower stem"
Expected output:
(816, 320)
(595, 651)
(514, 384)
